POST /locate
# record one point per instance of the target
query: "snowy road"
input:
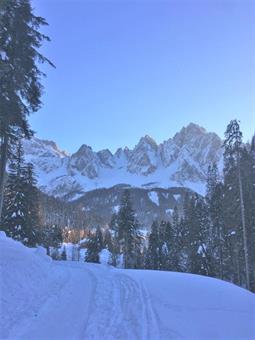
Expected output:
(94, 302)
(100, 302)
(124, 308)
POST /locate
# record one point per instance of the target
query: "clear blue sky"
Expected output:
(130, 68)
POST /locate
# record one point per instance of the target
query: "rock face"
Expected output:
(181, 161)
(144, 158)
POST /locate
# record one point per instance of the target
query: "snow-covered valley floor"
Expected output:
(44, 299)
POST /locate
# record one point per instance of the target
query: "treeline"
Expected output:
(55, 211)
(21, 214)
(214, 236)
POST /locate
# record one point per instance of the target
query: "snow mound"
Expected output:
(189, 306)
(105, 257)
(25, 281)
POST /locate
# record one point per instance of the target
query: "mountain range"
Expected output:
(180, 161)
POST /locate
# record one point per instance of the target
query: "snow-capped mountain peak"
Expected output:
(43, 148)
(147, 141)
(179, 161)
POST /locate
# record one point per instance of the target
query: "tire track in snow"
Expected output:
(121, 308)
(152, 331)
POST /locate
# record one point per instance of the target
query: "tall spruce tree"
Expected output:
(153, 252)
(128, 235)
(183, 243)
(32, 214)
(176, 246)
(232, 224)
(251, 210)
(20, 86)
(21, 219)
(214, 197)
(233, 178)
(162, 245)
(167, 245)
(14, 212)
(196, 219)
(252, 148)
(247, 163)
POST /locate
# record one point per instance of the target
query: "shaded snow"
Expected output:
(169, 211)
(105, 257)
(116, 209)
(44, 299)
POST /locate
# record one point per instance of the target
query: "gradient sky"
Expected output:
(130, 68)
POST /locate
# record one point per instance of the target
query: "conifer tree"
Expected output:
(94, 246)
(108, 242)
(247, 163)
(252, 148)
(183, 244)
(214, 197)
(51, 236)
(196, 218)
(152, 255)
(32, 214)
(166, 244)
(114, 227)
(212, 180)
(20, 86)
(232, 224)
(175, 254)
(162, 246)
(251, 212)
(234, 181)
(114, 223)
(21, 219)
(14, 221)
(128, 236)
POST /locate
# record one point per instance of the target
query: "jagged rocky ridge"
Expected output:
(181, 161)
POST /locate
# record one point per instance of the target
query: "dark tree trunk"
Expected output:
(3, 162)
(244, 229)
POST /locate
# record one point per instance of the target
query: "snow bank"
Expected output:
(24, 282)
(45, 299)
(105, 257)
(197, 307)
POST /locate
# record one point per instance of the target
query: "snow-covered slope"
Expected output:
(180, 161)
(43, 299)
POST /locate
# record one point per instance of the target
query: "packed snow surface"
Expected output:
(44, 299)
